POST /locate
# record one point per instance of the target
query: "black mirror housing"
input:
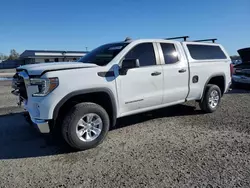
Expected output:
(129, 64)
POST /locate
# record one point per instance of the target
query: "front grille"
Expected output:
(19, 86)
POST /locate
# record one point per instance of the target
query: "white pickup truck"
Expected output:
(85, 98)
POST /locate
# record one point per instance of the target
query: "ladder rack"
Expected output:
(186, 37)
(206, 40)
(182, 37)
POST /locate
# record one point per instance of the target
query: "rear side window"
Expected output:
(144, 52)
(170, 53)
(202, 52)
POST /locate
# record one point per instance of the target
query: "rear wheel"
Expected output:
(211, 99)
(85, 126)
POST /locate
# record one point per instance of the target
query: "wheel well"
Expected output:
(101, 98)
(219, 81)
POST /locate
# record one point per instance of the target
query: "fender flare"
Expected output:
(87, 91)
(208, 80)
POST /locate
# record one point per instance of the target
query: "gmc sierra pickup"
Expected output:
(84, 98)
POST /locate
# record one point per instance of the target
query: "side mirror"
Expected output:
(129, 64)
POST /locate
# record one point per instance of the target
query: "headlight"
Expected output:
(45, 85)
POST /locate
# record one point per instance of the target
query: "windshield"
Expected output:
(104, 54)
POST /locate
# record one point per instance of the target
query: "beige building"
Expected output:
(43, 56)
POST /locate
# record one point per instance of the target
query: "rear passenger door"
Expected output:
(175, 72)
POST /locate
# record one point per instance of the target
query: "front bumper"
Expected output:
(36, 109)
(241, 79)
(41, 125)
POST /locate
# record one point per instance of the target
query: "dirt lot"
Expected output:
(7, 72)
(173, 147)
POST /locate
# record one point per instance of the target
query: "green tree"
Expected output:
(3, 57)
(13, 55)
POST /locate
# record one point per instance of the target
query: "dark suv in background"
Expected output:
(241, 74)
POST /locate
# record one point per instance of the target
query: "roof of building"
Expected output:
(56, 51)
(53, 53)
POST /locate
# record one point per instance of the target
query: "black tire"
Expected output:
(204, 103)
(70, 122)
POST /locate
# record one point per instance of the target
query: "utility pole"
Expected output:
(63, 54)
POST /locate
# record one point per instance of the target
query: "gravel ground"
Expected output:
(6, 98)
(172, 147)
(7, 72)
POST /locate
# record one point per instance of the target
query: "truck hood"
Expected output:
(245, 55)
(38, 69)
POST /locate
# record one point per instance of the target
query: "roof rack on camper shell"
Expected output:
(206, 40)
(182, 37)
(186, 37)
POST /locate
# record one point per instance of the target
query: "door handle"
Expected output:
(182, 70)
(156, 73)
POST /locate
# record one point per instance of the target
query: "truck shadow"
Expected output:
(18, 139)
(173, 111)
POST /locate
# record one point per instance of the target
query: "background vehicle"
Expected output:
(236, 62)
(85, 98)
(242, 71)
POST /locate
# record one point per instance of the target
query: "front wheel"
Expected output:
(85, 126)
(211, 99)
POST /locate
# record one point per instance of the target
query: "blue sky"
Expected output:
(76, 24)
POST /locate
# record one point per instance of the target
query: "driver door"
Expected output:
(141, 88)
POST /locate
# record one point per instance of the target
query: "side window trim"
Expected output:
(157, 54)
(162, 59)
(157, 57)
